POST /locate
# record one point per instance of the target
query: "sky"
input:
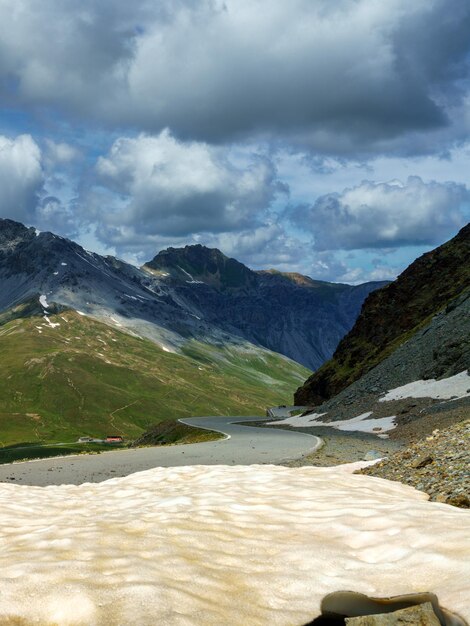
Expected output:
(329, 138)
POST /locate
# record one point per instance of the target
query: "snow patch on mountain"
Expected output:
(457, 386)
(43, 302)
(51, 324)
(359, 423)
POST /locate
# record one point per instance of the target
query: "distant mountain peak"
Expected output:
(298, 279)
(12, 233)
(197, 263)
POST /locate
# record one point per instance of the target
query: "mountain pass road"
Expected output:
(244, 445)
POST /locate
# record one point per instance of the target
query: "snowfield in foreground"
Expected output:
(203, 546)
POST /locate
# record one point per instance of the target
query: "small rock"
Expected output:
(422, 461)
(460, 500)
(372, 455)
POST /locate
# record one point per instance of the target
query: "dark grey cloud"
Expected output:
(24, 182)
(165, 123)
(336, 77)
(385, 215)
(21, 177)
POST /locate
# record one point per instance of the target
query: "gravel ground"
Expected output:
(439, 465)
(342, 447)
(436, 435)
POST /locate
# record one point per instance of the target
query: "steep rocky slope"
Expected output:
(198, 263)
(414, 391)
(392, 315)
(439, 350)
(418, 399)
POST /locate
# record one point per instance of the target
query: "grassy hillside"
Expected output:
(84, 378)
(391, 315)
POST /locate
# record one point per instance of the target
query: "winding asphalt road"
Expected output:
(244, 445)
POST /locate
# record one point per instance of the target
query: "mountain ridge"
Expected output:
(233, 302)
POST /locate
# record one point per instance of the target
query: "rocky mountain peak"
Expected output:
(13, 233)
(299, 279)
(198, 263)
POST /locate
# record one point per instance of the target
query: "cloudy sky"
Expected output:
(330, 138)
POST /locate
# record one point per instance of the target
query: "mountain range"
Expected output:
(192, 292)
(91, 344)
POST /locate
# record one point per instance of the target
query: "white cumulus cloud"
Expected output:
(386, 215)
(163, 186)
(60, 153)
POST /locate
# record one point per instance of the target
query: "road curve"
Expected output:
(244, 445)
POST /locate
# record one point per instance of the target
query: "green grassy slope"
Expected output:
(86, 378)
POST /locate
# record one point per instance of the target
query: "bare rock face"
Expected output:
(420, 615)
(207, 265)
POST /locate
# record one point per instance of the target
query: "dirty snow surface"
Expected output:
(457, 386)
(205, 546)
